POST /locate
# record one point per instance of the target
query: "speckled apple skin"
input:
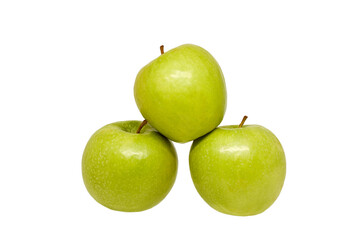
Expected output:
(238, 171)
(126, 171)
(182, 93)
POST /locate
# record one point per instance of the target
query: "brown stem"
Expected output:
(162, 49)
(141, 126)
(243, 121)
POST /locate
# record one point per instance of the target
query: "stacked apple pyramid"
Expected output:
(131, 165)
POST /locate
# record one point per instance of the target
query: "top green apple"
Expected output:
(182, 93)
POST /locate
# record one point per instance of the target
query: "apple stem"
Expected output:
(162, 49)
(243, 121)
(141, 126)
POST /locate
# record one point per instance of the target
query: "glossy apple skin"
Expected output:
(238, 171)
(126, 171)
(182, 93)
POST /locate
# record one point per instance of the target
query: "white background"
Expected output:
(68, 67)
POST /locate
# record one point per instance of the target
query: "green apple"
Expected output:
(238, 170)
(128, 171)
(182, 93)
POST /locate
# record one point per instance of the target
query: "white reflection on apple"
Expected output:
(128, 153)
(181, 74)
(234, 149)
